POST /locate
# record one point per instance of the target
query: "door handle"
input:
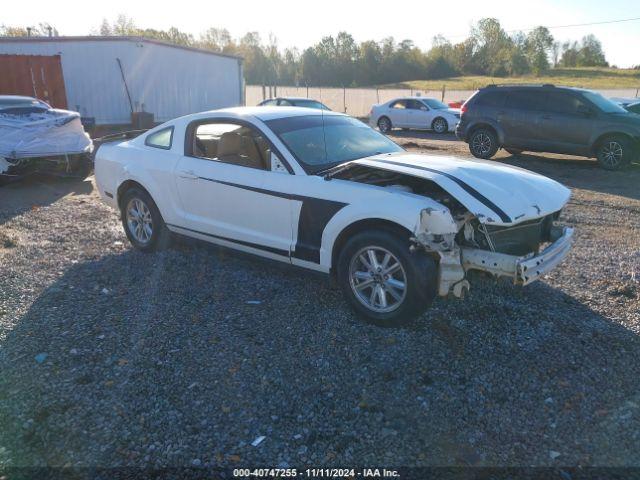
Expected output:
(187, 174)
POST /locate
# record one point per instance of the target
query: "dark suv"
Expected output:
(545, 118)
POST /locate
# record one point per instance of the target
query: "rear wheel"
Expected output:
(142, 221)
(384, 124)
(483, 143)
(614, 153)
(440, 125)
(383, 281)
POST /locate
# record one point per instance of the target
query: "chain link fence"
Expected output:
(357, 102)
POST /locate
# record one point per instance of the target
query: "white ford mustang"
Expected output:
(324, 191)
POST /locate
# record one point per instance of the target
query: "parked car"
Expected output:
(416, 113)
(293, 102)
(328, 193)
(624, 101)
(37, 138)
(633, 107)
(545, 118)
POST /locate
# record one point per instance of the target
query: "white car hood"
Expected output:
(494, 192)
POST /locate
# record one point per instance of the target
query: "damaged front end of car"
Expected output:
(522, 252)
(467, 234)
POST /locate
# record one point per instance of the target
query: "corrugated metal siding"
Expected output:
(170, 82)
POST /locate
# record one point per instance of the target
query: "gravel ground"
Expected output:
(110, 357)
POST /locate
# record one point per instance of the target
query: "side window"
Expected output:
(232, 143)
(269, 103)
(416, 105)
(160, 139)
(560, 102)
(525, 100)
(490, 99)
(285, 103)
(399, 104)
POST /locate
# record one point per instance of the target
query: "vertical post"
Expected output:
(443, 90)
(377, 95)
(411, 92)
(307, 90)
(344, 98)
(637, 89)
(264, 92)
(275, 90)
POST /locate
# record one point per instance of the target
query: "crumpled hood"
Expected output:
(496, 193)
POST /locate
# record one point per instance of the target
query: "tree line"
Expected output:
(342, 61)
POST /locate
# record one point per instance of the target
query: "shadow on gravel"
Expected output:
(192, 353)
(37, 191)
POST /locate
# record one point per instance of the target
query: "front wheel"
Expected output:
(142, 221)
(440, 125)
(383, 281)
(614, 153)
(483, 143)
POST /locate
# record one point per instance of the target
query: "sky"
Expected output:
(299, 23)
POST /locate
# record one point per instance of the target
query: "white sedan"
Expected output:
(323, 191)
(419, 113)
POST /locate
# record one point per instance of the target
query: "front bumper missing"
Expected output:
(523, 270)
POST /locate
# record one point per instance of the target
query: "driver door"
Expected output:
(224, 188)
(418, 114)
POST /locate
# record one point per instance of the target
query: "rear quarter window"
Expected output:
(490, 99)
(160, 139)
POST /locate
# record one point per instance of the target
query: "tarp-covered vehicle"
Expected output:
(34, 137)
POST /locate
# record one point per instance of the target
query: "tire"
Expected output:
(483, 143)
(513, 151)
(614, 152)
(140, 201)
(384, 124)
(83, 167)
(418, 270)
(440, 125)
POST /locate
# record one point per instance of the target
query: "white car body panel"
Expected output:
(296, 217)
(518, 194)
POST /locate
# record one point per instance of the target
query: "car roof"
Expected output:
(524, 86)
(271, 113)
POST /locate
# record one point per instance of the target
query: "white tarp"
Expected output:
(41, 134)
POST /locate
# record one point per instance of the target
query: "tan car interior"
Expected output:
(241, 146)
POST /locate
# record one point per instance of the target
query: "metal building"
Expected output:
(108, 78)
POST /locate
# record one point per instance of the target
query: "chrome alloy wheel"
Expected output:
(139, 220)
(612, 153)
(440, 125)
(377, 279)
(481, 144)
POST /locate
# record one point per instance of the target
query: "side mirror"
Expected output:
(275, 164)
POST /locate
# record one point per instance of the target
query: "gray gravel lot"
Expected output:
(110, 357)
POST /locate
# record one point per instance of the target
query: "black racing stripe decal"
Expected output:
(465, 186)
(315, 214)
(277, 251)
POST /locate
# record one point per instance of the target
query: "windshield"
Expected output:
(322, 141)
(434, 104)
(603, 103)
